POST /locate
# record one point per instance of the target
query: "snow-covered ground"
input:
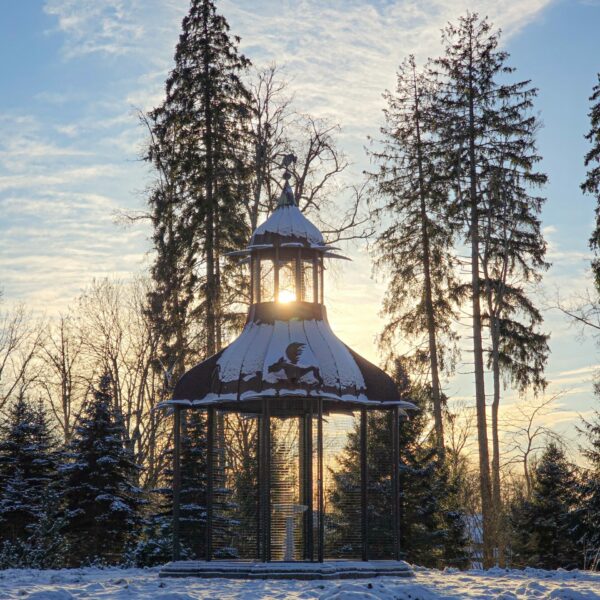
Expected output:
(494, 584)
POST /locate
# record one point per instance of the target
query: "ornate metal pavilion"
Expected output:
(287, 405)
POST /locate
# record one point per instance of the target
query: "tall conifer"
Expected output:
(590, 495)
(99, 481)
(415, 247)
(591, 185)
(487, 136)
(545, 527)
(200, 132)
(27, 469)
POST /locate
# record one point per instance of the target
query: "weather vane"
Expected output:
(288, 160)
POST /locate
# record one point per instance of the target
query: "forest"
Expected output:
(451, 212)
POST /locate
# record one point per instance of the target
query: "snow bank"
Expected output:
(120, 584)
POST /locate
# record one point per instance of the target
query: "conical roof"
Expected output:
(287, 224)
(288, 353)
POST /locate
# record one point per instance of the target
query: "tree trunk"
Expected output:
(431, 328)
(496, 490)
(482, 437)
(211, 346)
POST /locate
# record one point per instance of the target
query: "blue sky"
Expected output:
(73, 73)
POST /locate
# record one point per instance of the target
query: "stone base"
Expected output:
(332, 569)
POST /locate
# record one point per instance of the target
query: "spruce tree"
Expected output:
(487, 135)
(102, 502)
(415, 248)
(590, 495)
(545, 527)
(156, 543)
(27, 469)
(512, 260)
(432, 526)
(591, 185)
(200, 132)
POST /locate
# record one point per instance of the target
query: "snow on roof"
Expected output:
(287, 221)
(281, 355)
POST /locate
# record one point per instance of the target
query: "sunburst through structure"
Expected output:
(283, 404)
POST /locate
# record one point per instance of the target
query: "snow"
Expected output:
(116, 584)
(262, 345)
(288, 221)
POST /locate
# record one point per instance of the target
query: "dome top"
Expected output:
(287, 224)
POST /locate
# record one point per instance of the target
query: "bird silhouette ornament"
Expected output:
(289, 367)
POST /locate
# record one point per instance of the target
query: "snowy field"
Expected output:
(494, 584)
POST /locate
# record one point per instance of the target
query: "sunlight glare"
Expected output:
(286, 296)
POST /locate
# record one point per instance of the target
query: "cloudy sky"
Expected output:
(74, 73)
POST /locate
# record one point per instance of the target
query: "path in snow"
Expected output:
(120, 584)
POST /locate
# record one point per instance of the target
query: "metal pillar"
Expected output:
(321, 280)
(176, 481)
(308, 483)
(276, 274)
(252, 282)
(258, 278)
(299, 286)
(265, 482)
(210, 442)
(364, 481)
(259, 445)
(321, 498)
(315, 277)
(396, 479)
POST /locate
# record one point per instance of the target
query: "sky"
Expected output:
(74, 73)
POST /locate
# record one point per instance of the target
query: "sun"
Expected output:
(286, 296)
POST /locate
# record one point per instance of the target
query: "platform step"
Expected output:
(238, 569)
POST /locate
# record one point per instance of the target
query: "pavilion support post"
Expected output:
(364, 482)
(252, 280)
(210, 458)
(276, 274)
(299, 286)
(315, 277)
(258, 277)
(265, 482)
(321, 280)
(320, 495)
(396, 479)
(308, 483)
(259, 445)
(176, 481)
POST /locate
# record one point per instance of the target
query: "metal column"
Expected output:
(276, 274)
(396, 478)
(299, 285)
(210, 442)
(308, 483)
(265, 482)
(364, 482)
(176, 481)
(321, 498)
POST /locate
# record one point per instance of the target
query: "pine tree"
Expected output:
(545, 528)
(590, 495)
(512, 259)
(416, 247)
(432, 527)
(156, 543)
(27, 469)
(99, 484)
(487, 136)
(591, 185)
(200, 136)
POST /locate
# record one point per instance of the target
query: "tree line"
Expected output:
(453, 207)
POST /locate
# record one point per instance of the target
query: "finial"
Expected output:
(287, 195)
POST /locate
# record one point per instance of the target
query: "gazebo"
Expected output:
(287, 408)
